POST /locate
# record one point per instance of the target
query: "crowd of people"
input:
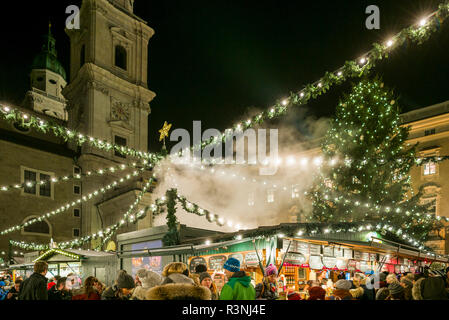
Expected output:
(177, 283)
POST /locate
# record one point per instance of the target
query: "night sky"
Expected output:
(213, 60)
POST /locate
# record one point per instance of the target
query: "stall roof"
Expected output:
(90, 253)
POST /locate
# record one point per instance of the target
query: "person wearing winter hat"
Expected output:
(122, 289)
(177, 285)
(316, 293)
(396, 291)
(206, 281)
(148, 280)
(407, 284)
(267, 289)
(239, 285)
(341, 291)
(433, 288)
(200, 268)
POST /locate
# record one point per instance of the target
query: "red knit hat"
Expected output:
(317, 293)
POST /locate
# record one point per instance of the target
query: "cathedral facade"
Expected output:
(106, 97)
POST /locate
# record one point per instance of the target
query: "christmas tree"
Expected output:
(366, 172)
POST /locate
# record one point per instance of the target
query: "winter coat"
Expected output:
(266, 291)
(178, 291)
(84, 296)
(54, 294)
(434, 288)
(238, 287)
(357, 293)
(178, 278)
(140, 293)
(382, 293)
(34, 288)
(340, 294)
(113, 293)
(416, 290)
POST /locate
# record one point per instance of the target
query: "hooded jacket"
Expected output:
(34, 288)
(178, 291)
(238, 287)
(340, 294)
(433, 288)
(416, 290)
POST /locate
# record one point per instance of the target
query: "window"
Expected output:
(76, 232)
(52, 81)
(251, 199)
(45, 185)
(76, 213)
(82, 55)
(120, 141)
(37, 183)
(295, 191)
(120, 57)
(38, 228)
(30, 182)
(270, 196)
(430, 168)
(429, 132)
(76, 170)
(76, 189)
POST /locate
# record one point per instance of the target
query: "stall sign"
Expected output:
(339, 253)
(328, 251)
(196, 261)
(329, 262)
(397, 269)
(364, 266)
(400, 260)
(251, 259)
(347, 253)
(342, 263)
(352, 264)
(357, 255)
(365, 256)
(302, 247)
(295, 258)
(217, 262)
(293, 245)
(406, 261)
(372, 257)
(237, 256)
(315, 249)
(315, 262)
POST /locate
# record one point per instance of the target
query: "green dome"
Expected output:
(47, 58)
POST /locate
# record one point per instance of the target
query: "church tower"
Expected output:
(108, 98)
(48, 79)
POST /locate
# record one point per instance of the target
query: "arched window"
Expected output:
(37, 228)
(120, 57)
(82, 55)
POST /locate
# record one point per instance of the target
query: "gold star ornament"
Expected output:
(164, 131)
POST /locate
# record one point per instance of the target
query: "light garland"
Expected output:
(57, 251)
(13, 115)
(73, 203)
(351, 69)
(77, 177)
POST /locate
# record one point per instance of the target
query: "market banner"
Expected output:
(315, 249)
(329, 262)
(217, 262)
(328, 251)
(315, 262)
(251, 259)
(196, 261)
(302, 247)
(295, 258)
(339, 253)
(347, 253)
(342, 264)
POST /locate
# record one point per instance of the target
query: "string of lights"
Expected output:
(74, 203)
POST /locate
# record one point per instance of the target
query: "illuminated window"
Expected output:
(270, 195)
(430, 168)
(37, 183)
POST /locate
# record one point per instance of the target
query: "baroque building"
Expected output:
(106, 97)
